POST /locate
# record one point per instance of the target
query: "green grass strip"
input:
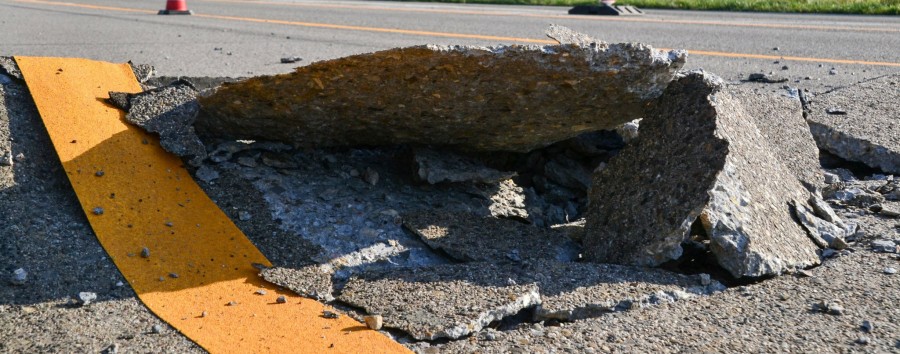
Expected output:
(865, 7)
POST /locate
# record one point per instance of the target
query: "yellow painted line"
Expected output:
(199, 275)
(481, 37)
(568, 17)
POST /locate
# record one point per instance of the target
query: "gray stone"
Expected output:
(313, 281)
(869, 132)
(6, 159)
(700, 155)
(19, 277)
(170, 112)
(825, 212)
(889, 212)
(630, 130)
(884, 246)
(156, 329)
(435, 167)
(503, 98)
(468, 238)
(449, 301)
(780, 120)
(86, 298)
(822, 232)
(890, 270)
(207, 174)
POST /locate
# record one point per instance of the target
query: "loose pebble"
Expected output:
(281, 299)
(156, 329)
(890, 270)
(374, 322)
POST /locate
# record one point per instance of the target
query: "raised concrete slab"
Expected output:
(512, 98)
(860, 123)
(700, 155)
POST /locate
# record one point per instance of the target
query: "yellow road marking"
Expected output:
(466, 35)
(199, 275)
(570, 17)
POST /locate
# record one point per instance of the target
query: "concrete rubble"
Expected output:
(503, 98)
(859, 122)
(701, 157)
(468, 238)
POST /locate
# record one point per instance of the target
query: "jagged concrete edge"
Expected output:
(835, 138)
(529, 299)
(9, 67)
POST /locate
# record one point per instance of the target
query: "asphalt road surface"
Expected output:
(242, 38)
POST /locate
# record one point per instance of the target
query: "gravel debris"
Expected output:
(330, 315)
(86, 297)
(19, 277)
(145, 252)
(156, 329)
(97, 211)
(281, 299)
(890, 270)
(867, 326)
(260, 292)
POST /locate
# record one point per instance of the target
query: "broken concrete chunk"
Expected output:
(313, 281)
(503, 98)
(869, 132)
(825, 212)
(508, 201)
(448, 301)
(120, 100)
(142, 72)
(9, 67)
(169, 111)
(823, 233)
(435, 167)
(700, 155)
(468, 238)
(780, 120)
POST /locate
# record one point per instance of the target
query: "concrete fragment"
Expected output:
(508, 201)
(86, 298)
(169, 111)
(823, 233)
(869, 132)
(9, 67)
(449, 301)
(313, 281)
(780, 120)
(700, 155)
(435, 167)
(374, 322)
(511, 98)
(468, 238)
(142, 72)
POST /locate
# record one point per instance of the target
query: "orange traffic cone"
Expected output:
(176, 7)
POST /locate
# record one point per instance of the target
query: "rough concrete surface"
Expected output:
(446, 167)
(169, 111)
(780, 120)
(860, 122)
(475, 98)
(313, 281)
(469, 238)
(440, 302)
(700, 155)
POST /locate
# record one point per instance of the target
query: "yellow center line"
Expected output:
(569, 17)
(463, 35)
